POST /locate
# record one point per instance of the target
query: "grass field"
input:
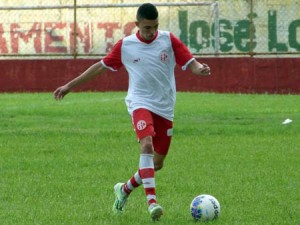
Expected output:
(59, 161)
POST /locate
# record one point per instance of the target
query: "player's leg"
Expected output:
(134, 182)
(158, 160)
(146, 169)
(145, 176)
(157, 144)
(150, 160)
(143, 125)
(161, 143)
(147, 173)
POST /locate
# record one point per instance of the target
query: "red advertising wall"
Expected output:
(229, 75)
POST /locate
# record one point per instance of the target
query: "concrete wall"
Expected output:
(229, 75)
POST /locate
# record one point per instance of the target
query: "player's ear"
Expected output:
(137, 23)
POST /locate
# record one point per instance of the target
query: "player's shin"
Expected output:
(146, 171)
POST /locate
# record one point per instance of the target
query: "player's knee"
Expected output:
(158, 163)
(158, 166)
(147, 146)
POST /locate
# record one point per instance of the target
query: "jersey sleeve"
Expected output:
(183, 56)
(113, 60)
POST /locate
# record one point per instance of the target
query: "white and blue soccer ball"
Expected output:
(205, 208)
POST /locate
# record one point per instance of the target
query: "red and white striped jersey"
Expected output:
(150, 66)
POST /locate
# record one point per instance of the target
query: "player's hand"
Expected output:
(60, 92)
(199, 68)
(204, 70)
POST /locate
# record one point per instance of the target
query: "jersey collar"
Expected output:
(145, 41)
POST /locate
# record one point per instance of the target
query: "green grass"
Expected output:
(60, 160)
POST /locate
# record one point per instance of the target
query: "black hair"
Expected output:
(147, 11)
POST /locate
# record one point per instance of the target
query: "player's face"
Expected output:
(148, 28)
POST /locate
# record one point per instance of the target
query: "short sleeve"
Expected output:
(183, 56)
(113, 59)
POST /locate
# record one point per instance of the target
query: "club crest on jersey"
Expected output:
(164, 57)
(141, 125)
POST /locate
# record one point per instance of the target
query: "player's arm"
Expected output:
(92, 72)
(185, 59)
(112, 62)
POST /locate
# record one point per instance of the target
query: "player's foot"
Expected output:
(120, 198)
(155, 211)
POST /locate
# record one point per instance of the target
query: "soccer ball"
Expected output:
(205, 208)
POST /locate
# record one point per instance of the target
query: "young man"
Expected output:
(149, 57)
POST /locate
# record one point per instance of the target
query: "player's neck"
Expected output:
(146, 41)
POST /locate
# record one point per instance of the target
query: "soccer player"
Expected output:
(149, 57)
